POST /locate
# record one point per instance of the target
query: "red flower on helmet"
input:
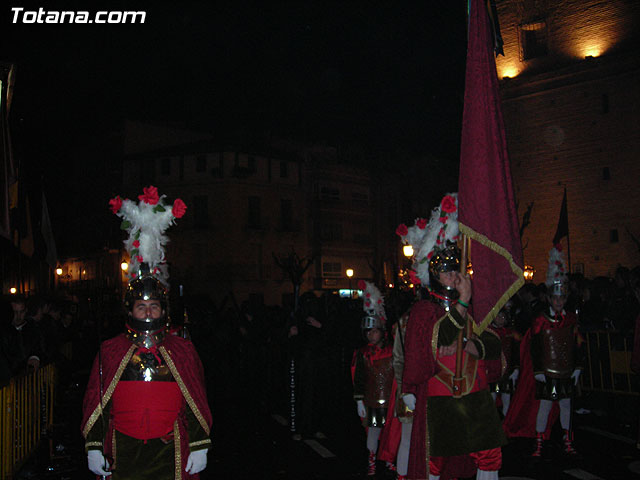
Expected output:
(179, 208)
(150, 195)
(449, 204)
(443, 219)
(402, 230)
(421, 223)
(115, 204)
(136, 243)
(139, 258)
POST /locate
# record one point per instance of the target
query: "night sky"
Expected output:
(384, 75)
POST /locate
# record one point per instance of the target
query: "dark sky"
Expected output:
(387, 74)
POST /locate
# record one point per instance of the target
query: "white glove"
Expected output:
(362, 411)
(540, 377)
(97, 463)
(197, 461)
(514, 376)
(576, 376)
(410, 401)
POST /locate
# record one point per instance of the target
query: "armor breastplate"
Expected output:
(557, 352)
(379, 378)
(147, 365)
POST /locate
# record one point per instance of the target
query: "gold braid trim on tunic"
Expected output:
(183, 389)
(200, 442)
(107, 394)
(177, 452)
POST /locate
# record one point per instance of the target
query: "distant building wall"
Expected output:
(573, 122)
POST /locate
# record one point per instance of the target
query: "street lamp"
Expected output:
(124, 266)
(58, 271)
(407, 250)
(528, 273)
(349, 273)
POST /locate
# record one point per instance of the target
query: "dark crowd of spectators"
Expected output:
(601, 303)
(247, 350)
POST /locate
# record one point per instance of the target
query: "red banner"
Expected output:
(488, 214)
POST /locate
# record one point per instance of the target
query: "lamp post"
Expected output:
(349, 273)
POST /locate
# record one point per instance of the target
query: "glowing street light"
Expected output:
(349, 273)
(58, 271)
(13, 290)
(124, 266)
(407, 250)
(528, 273)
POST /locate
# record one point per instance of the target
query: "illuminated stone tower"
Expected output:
(570, 91)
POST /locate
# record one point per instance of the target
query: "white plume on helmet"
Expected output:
(372, 301)
(428, 237)
(146, 221)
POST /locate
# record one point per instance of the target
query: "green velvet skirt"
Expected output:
(137, 460)
(463, 425)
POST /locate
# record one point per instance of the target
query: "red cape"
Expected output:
(392, 431)
(179, 354)
(521, 417)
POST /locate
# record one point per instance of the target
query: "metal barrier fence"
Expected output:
(607, 365)
(26, 412)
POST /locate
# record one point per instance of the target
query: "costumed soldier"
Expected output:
(398, 447)
(503, 373)
(372, 371)
(453, 416)
(145, 411)
(551, 359)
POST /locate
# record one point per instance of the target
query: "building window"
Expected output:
(216, 169)
(332, 269)
(284, 170)
(245, 166)
(165, 166)
(329, 193)
(200, 211)
(533, 40)
(330, 231)
(201, 163)
(253, 214)
(286, 215)
(613, 235)
(360, 198)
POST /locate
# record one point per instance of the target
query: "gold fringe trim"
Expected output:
(511, 291)
(434, 337)
(177, 452)
(183, 388)
(453, 320)
(92, 444)
(114, 449)
(107, 394)
(200, 442)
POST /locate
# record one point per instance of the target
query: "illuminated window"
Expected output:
(533, 40)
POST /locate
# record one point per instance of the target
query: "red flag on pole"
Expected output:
(487, 213)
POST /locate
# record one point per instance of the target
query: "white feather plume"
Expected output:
(146, 223)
